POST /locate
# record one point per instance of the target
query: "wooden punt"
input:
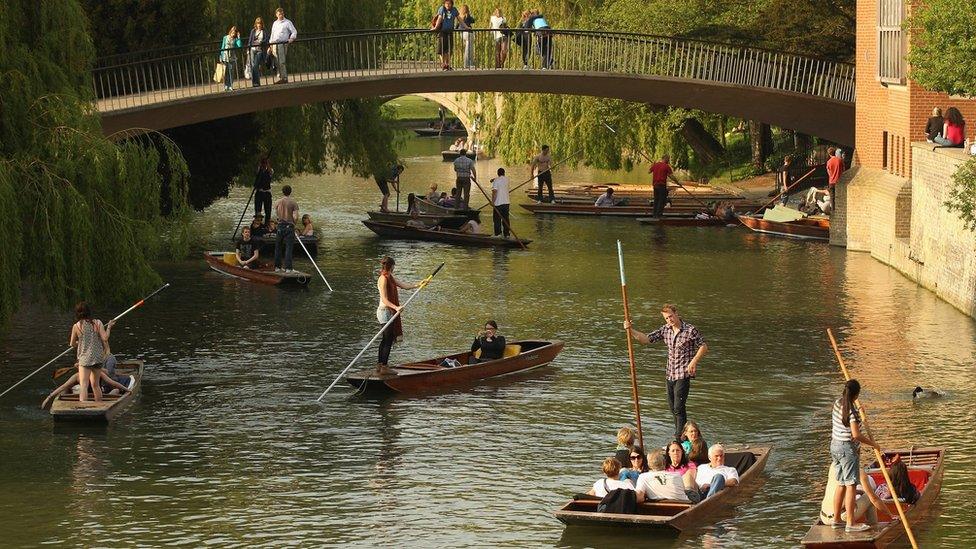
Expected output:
(451, 156)
(446, 221)
(669, 514)
(67, 407)
(563, 208)
(267, 245)
(264, 274)
(685, 221)
(403, 232)
(427, 207)
(925, 468)
(429, 375)
(434, 132)
(811, 228)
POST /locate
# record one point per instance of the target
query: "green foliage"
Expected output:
(943, 52)
(89, 218)
(962, 194)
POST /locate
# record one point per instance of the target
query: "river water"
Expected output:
(227, 445)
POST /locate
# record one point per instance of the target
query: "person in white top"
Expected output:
(715, 475)
(282, 33)
(606, 199)
(502, 202)
(611, 468)
(500, 24)
(660, 484)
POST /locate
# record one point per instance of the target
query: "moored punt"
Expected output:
(427, 207)
(668, 514)
(434, 132)
(226, 263)
(447, 221)
(67, 407)
(268, 245)
(562, 208)
(429, 375)
(403, 232)
(685, 221)
(925, 468)
(813, 228)
(451, 156)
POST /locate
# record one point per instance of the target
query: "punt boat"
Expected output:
(684, 221)
(811, 228)
(434, 132)
(226, 263)
(267, 245)
(403, 232)
(428, 207)
(668, 514)
(429, 375)
(67, 407)
(925, 468)
(634, 210)
(446, 221)
(451, 156)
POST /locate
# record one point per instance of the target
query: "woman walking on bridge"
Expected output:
(228, 55)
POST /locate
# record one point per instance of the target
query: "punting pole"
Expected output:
(495, 209)
(64, 352)
(423, 284)
(788, 189)
(314, 264)
(241, 220)
(877, 453)
(630, 345)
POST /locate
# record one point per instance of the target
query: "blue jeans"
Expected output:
(846, 460)
(715, 486)
(286, 236)
(939, 140)
(257, 60)
(229, 74)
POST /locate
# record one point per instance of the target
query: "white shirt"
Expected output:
(496, 23)
(604, 200)
(662, 485)
(283, 31)
(612, 484)
(706, 472)
(500, 184)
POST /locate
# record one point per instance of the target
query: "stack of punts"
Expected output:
(668, 514)
(925, 468)
(403, 232)
(430, 220)
(68, 407)
(434, 132)
(585, 192)
(451, 156)
(633, 209)
(685, 221)
(226, 263)
(267, 245)
(811, 228)
(432, 375)
(428, 207)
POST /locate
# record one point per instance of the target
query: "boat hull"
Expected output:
(434, 132)
(403, 232)
(428, 376)
(67, 407)
(263, 275)
(809, 228)
(427, 207)
(685, 222)
(570, 208)
(446, 221)
(451, 156)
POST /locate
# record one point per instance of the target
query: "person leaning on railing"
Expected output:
(283, 33)
(257, 43)
(228, 55)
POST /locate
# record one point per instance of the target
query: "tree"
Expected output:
(943, 46)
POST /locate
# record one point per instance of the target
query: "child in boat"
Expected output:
(307, 229)
(433, 195)
(272, 227)
(257, 227)
(611, 470)
(694, 444)
(898, 473)
(626, 439)
(491, 344)
(247, 250)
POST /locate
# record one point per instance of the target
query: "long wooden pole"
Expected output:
(500, 216)
(877, 453)
(630, 346)
(241, 220)
(788, 189)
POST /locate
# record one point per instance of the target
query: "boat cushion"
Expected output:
(230, 258)
(510, 351)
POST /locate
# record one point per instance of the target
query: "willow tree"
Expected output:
(88, 209)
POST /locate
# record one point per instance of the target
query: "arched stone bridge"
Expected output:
(169, 88)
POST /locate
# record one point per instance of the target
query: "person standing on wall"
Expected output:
(465, 170)
(262, 189)
(835, 168)
(501, 200)
(660, 173)
(686, 347)
(444, 23)
(283, 33)
(287, 211)
(542, 166)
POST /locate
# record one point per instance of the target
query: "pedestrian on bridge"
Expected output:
(465, 24)
(283, 33)
(501, 37)
(445, 22)
(524, 38)
(257, 43)
(228, 55)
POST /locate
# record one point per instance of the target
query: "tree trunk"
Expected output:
(756, 142)
(702, 141)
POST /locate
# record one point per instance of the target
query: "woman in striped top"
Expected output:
(845, 437)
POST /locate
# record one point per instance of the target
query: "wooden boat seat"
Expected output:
(510, 351)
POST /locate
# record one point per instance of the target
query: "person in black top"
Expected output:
(247, 250)
(262, 189)
(933, 127)
(257, 228)
(492, 346)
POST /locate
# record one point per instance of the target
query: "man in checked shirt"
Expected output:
(686, 347)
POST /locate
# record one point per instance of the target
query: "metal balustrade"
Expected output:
(152, 77)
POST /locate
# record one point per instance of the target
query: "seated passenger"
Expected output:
(247, 250)
(307, 228)
(272, 227)
(415, 220)
(257, 227)
(440, 200)
(611, 468)
(725, 211)
(470, 227)
(660, 484)
(810, 205)
(626, 439)
(492, 345)
(110, 366)
(694, 444)
(898, 473)
(450, 201)
(433, 195)
(636, 464)
(715, 475)
(606, 199)
(866, 504)
(677, 462)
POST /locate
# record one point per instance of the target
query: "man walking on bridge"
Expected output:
(283, 33)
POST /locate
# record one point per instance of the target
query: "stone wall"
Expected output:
(903, 223)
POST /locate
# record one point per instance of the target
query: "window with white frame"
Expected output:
(891, 42)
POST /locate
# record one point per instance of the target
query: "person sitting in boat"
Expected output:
(412, 204)
(111, 363)
(866, 503)
(415, 220)
(258, 229)
(694, 444)
(725, 211)
(458, 144)
(898, 473)
(658, 483)
(811, 205)
(446, 200)
(432, 194)
(677, 462)
(470, 227)
(247, 250)
(307, 228)
(491, 344)
(272, 228)
(636, 464)
(715, 475)
(606, 200)
(626, 439)
(611, 470)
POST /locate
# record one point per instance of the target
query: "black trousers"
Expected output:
(262, 199)
(660, 199)
(386, 345)
(677, 397)
(500, 227)
(545, 178)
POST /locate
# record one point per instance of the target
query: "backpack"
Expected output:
(618, 500)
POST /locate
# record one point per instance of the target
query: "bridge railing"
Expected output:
(144, 78)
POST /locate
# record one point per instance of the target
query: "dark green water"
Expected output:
(227, 446)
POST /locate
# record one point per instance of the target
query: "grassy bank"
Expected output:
(412, 108)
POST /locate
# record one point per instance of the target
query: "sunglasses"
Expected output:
(636, 457)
